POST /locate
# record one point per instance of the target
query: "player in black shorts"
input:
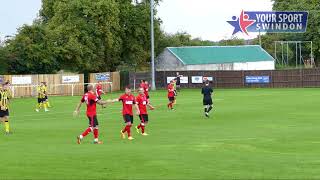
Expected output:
(178, 77)
(207, 99)
(46, 100)
(41, 98)
(5, 95)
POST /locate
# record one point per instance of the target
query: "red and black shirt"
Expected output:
(127, 102)
(99, 90)
(91, 100)
(170, 90)
(142, 102)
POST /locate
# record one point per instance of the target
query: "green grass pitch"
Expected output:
(252, 134)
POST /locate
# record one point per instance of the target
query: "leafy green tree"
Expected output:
(3, 60)
(232, 42)
(179, 39)
(135, 33)
(47, 10)
(87, 34)
(30, 52)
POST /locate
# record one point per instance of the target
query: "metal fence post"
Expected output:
(72, 87)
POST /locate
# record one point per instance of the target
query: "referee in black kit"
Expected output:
(207, 99)
(178, 81)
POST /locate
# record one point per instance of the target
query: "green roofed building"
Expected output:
(232, 58)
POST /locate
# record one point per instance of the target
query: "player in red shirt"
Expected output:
(145, 85)
(143, 102)
(128, 100)
(142, 84)
(146, 89)
(171, 95)
(91, 100)
(99, 90)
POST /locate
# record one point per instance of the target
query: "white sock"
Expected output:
(81, 137)
(96, 140)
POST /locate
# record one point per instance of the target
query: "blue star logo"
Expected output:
(235, 23)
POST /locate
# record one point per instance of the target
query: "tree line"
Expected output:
(87, 36)
(108, 35)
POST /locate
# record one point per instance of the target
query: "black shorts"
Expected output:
(171, 98)
(144, 118)
(93, 121)
(41, 100)
(4, 113)
(46, 97)
(128, 118)
(207, 102)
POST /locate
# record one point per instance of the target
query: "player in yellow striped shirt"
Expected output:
(41, 98)
(5, 96)
(46, 94)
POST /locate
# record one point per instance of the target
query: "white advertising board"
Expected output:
(21, 80)
(197, 79)
(70, 79)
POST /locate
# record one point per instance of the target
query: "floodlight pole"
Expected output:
(282, 57)
(312, 60)
(287, 63)
(153, 87)
(275, 52)
(296, 54)
(301, 62)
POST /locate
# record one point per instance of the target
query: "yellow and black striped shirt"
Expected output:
(41, 92)
(5, 95)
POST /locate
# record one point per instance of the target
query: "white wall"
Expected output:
(261, 65)
(170, 66)
(210, 67)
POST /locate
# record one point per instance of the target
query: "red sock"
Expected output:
(128, 130)
(124, 129)
(142, 128)
(95, 133)
(86, 132)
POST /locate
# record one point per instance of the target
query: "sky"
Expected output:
(205, 19)
(15, 13)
